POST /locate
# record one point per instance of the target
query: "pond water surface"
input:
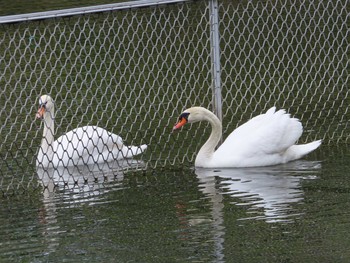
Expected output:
(297, 212)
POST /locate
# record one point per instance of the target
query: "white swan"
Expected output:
(267, 139)
(81, 146)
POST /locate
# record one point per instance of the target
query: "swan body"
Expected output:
(267, 139)
(81, 146)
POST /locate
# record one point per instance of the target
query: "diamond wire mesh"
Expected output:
(133, 71)
(130, 72)
(291, 54)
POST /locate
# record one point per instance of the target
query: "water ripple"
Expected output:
(271, 190)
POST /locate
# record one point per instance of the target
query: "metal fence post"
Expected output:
(215, 57)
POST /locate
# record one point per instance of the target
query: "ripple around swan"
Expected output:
(37, 228)
(84, 184)
(268, 192)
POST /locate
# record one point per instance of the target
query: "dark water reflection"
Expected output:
(268, 191)
(85, 177)
(298, 212)
(76, 188)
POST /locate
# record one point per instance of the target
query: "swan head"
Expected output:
(45, 105)
(191, 115)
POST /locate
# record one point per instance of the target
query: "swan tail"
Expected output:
(298, 151)
(131, 151)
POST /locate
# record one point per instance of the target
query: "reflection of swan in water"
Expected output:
(273, 188)
(85, 175)
(72, 186)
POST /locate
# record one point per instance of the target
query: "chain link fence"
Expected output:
(132, 68)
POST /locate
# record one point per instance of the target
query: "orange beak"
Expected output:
(180, 123)
(40, 113)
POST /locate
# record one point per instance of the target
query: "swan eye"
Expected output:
(43, 104)
(184, 116)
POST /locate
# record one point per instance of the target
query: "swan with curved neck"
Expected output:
(267, 139)
(81, 146)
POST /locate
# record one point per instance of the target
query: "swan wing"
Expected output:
(87, 144)
(266, 134)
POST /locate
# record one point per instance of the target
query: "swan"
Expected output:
(267, 139)
(81, 146)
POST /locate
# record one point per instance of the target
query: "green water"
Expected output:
(298, 212)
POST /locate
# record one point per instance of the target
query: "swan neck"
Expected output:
(49, 131)
(208, 149)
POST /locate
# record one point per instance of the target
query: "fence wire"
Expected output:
(133, 69)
